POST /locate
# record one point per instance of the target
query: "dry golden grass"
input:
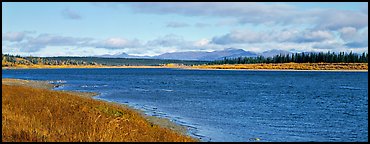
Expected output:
(275, 66)
(30, 114)
(290, 66)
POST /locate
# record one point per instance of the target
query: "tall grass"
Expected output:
(30, 114)
(291, 66)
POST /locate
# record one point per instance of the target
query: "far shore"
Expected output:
(167, 130)
(276, 70)
(349, 67)
(327, 67)
(81, 66)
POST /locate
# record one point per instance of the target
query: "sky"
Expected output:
(145, 28)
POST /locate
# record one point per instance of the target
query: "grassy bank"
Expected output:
(260, 66)
(290, 66)
(39, 114)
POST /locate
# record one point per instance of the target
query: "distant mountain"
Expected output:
(273, 52)
(121, 55)
(203, 56)
(228, 53)
(207, 56)
(181, 55)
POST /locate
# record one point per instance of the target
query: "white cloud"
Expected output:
(117, 43)
(348, 33)
(312, 36)
(175, 43)
(354, 38)
(240, 36)
(34, 44)
(14, 36)
(57, 40)
(347, 38)
(248, 11)
(202, 42)
(337, 19)
(287, 35)
(328, 45)
(167, 41)
(261, 13)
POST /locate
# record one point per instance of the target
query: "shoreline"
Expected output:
(346, 67)
(327, 67)
(192, 68)
(277, 70)
(77, 67)
(46, 85)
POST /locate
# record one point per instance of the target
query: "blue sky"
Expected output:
(88, 29)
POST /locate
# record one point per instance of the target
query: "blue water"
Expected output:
(223, 105)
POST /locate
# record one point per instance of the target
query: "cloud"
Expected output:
(42, 43)
(255, 11)
(57, 40)
(36, 43)
(287, 35)
(202, 42)
(117, 43)
(261, 13)
(177, 24)
(219, 9)
(14, 36)
(175, 43)
(169, 40)
(354, 38)
(309, 39)
(348, 33)
(240, 36)
(337, 19)
(71, 14)
(327, 45)
(311, 36)
(33, 44)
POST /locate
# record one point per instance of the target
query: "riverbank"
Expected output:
(31, 111)
(75, 66)
(291, 66)
(360, 67)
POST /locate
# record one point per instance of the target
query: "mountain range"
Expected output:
(203, 56)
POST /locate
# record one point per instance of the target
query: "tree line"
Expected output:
(14, 60)
(329, 57)
(10, 60)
